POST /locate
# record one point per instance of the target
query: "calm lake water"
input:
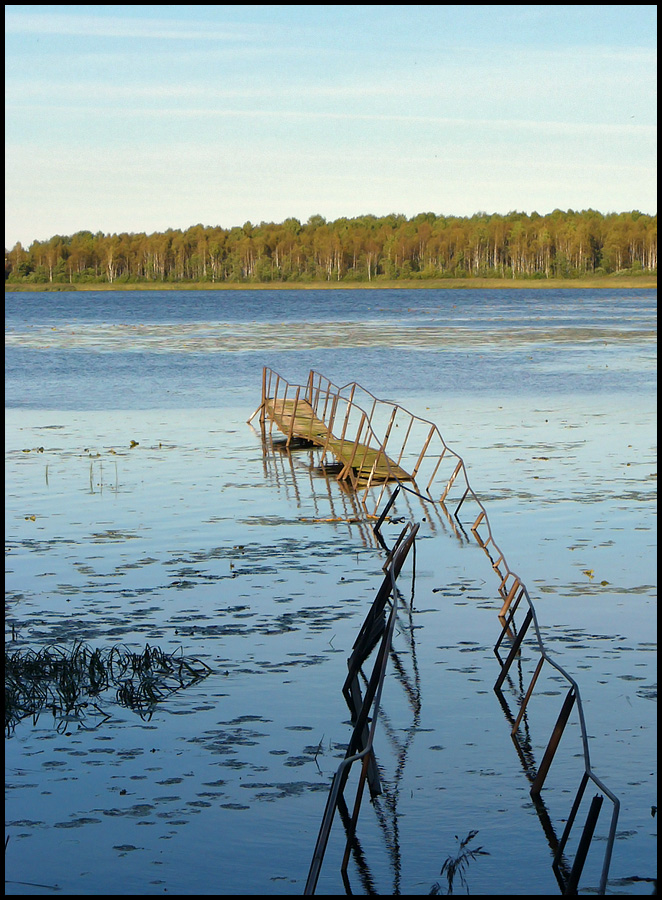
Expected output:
(141, 508)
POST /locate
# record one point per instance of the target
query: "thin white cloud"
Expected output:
(548, 127)
(152, 28)
(138, 115)
(131, 164)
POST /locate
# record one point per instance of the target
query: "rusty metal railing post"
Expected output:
(423, 452)
(349, 465)
(347, 414)
(449, 483)
(514, 650)
(294, 413)
(526, 699)
(554, 741)
(584, 844)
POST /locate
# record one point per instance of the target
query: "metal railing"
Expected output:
(376, 629)
(420, 449)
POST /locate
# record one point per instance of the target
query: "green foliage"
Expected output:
(367, 248)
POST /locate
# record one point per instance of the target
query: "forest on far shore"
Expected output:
(367, 248)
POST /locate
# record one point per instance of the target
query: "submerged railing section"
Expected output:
(377, 629)
(401, 442)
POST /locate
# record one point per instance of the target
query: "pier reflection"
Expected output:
(298, 471)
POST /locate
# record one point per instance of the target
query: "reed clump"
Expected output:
(76, 683)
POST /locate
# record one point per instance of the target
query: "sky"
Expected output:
(144, 118)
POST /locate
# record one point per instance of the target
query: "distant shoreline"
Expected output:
(642, 282)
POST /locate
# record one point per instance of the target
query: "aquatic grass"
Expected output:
(68, 681)
(458, 864)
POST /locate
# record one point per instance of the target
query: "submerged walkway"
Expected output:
(296, 418)
(321, 411)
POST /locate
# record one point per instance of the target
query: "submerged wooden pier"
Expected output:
(356, 427)
(308, 414)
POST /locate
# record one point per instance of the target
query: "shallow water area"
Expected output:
(175, 527)
(194, 538)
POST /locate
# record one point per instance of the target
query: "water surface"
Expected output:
(141, 508)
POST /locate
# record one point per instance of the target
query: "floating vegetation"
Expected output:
(70, 683)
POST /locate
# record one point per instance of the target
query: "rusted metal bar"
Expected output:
(260, 410)
(571, 819)
(274, 400)
(509, 599)
(502, 583)
(480, 541)
(507, 622)
(261, 407)
(436, 469)
(327, 394)
(345, 471)
(317, 403)
(449, 484)
(313, 423)
(349, 409)
(514, 650)
(371, 474)
(406, 438)
(554, 741)
(527, 697)
(584, 844)
(389, 426)
(294, 414)
(382, 491)
(366, 445)
(463, 498)
(481, 516)
(332, 418)
(423, 451)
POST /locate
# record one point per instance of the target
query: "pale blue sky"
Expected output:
(141, 118)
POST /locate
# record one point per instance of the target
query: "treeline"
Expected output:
(367, 248)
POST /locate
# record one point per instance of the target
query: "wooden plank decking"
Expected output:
(295, 418)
